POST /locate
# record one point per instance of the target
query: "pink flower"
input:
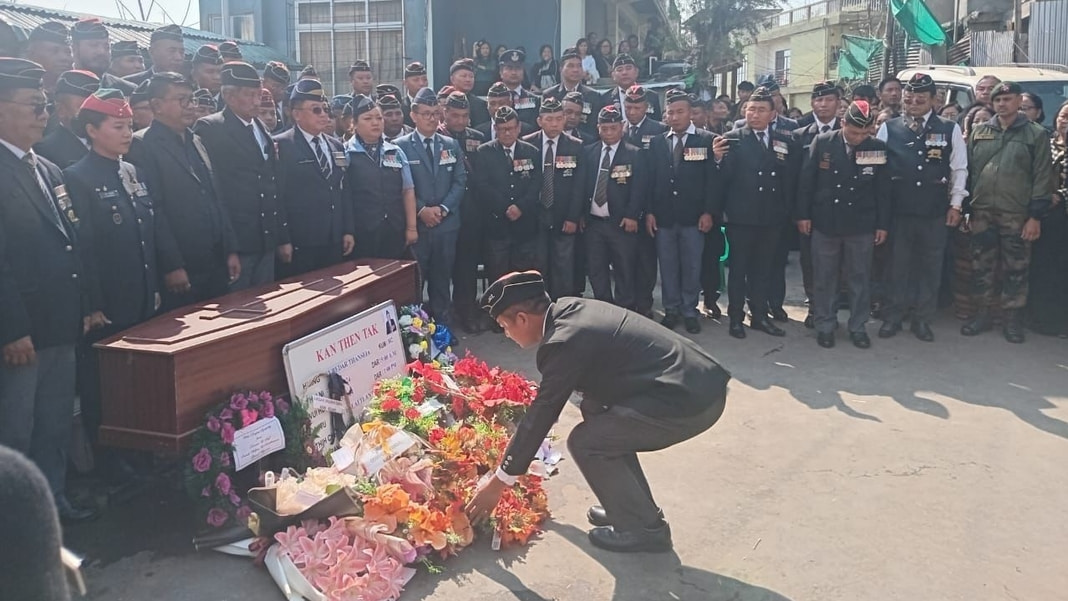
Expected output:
(214, 424)
(243, 512)
(222, 484)
(317, 554)
(290, 543)
(238, 402)
(268, 409)
(202, 461)
(248, 417)
(312, 527)
(282, 406)
(217, 517)
(235, 500)
(228, 433)
(265, 397)
(226, 414)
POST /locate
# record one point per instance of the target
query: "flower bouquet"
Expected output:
(425, 340)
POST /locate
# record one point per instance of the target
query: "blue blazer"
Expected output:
(440, 179)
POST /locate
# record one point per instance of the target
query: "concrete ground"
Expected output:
(909, 471)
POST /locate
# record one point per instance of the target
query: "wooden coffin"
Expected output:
(159, 378)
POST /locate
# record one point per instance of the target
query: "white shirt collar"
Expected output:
(614, 147)
(545, 322)
(820, 124)
(310, 138)
(639, 124)
(546, 138)
(18, 152)
(518, 90)
(423, 139)
(689, 131)
(510, 149)
(246, 123)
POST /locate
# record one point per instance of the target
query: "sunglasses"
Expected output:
(318, 110)
(39, 108)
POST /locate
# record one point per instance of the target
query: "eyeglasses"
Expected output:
(183, 101)
(317, 110)
(39, 108)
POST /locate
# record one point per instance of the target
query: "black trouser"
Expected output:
(645, 270)
(919, 244)
(310, 258)
(469, 248)
(611, 253)
(556, 261)
(605, 446)
(504, 255)
(385, 241)
(581, 265)
(711, 281)
(777, 284)
(753, 253)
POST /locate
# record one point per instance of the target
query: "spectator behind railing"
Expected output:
(604, 56)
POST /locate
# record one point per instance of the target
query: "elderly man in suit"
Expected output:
(644, 388)
(92, 52)
(440, 178)
(625, 75)
(311, 169)
(236, 138)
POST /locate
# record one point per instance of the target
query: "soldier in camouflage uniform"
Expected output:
(1011, 183)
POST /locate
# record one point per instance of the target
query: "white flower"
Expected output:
(414, 350)
(405, 320)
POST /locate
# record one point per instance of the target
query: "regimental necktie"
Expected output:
(849, 150)
(677, 154)
(548, 173)
(324, 165)
(508, 154)
(917, 125)
(30, 160)
(634, 131)
(825, 129)
(762, 138)
(600, 195)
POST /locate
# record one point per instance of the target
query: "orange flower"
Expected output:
(427, 527)
(388, 506)
(461, 526)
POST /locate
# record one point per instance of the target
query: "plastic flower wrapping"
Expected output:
(424, 339)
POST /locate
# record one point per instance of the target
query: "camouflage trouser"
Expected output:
(1000, 258)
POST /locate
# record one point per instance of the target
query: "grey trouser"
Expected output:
(828, 255)
(919, 245)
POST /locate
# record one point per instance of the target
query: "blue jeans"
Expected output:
(37, 410)
(436, 253)
(679, 248)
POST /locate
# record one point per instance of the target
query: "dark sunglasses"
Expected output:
(39, 108)
(318, 110)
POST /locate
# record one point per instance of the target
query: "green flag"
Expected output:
(916, 19)
(854, 57)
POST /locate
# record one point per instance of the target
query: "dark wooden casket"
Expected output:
(159, 378)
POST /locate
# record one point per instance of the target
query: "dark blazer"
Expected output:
(682, 194)
(626, 196)
(440, 179)
(840, 197)
(568, 182)
(469, 140)
(44, 282)
(649, 129)
(612, 356)
(137, 78)
(805, 134)
(246, 181)
(527, 105)
(319, 213)
(583, 136)
(179, 176)
(592, 103)
(611, 96)
(479, 110)
(525, 129)
(759, 183)
(61, 147)
(500, 183)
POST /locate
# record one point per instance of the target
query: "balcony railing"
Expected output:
(819, 10)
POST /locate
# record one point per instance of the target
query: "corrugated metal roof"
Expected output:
(24, 18)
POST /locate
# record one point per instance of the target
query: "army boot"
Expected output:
(977, 326)
(1013, 328)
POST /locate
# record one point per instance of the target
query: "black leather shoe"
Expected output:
(1013, 328)
(692, 325)
(736, 330)
(889, 329)
(767, 327)
(670, 321)
(810, 321)
(646, 540)
(980, 324)
(712, 312)
(860, 339)
(779, 314)
(825, 340)
(70, 514)
(922, 330)
(596, 516)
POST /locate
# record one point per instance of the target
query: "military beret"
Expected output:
(168, 32)
(426, 97)
(610, 114)
(569, 54)
(244, 75)
(575, 97)
(108, 101)
(307, 89)
(288, 91)
(359, 66)
(230, 51)
(51, 31)
(512, 58)
(203, 97)
(512, 289)
(414, 69)
(16, 73)
(266, 99)
(387, 89)
(141, 92)
(864, 91)
(505, 114)
(77, 83)
(1006, 87)
(361, 104)
(825, 88)
(677, 95)
(746, 85)
(457, 100)
(389, 102)
(623, 59)
(124, 48)
(208, 54)
(89, 28)
(337, 103)
(464, 64)
(445, 91)
(762, 94)
(859, 114)
(550, 105)
(636, 95)
(921, 82)
(499, 90)
(276, 71)
(309, 71)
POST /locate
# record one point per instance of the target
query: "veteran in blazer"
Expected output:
(589, 101)
(625, 75)
(61, 145)
(643, 388)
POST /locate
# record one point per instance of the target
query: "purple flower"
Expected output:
(235, 500)
(238, 402)
(224, 459)
(226, 414)
(228, 433)
(282, 406)
(267, 412)
(214, 424)
(217, 517)
(202, 461)
(243, 512)
(222, 484)
(206, 492)
(265, 397)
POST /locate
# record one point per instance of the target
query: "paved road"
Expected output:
(909, 471)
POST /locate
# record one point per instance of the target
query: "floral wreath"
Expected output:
(219, 490)
(424, 339)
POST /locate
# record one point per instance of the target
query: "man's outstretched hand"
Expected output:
(482, 504)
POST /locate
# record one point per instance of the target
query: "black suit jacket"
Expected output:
(479, 109)
(107, 80)
(61, 147)
(592, 103)
(246, 181)
(840, 196)
(186, 194)
(805, 134)
(759, 184)
(649, 129)
(781, 124)
(613, 357)
(137, 78)
(612, 97)
(318, 211)
(568, 182)
(626, 195)
(44, 280)
(682, 194)
(500, 183)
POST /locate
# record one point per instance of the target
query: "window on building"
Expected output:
(385, 11)
(782, 66)
(315, 51)
(314, 13)
(387, 54)
(348, 47)
(215, 24)
(350, 12)
(243, 27)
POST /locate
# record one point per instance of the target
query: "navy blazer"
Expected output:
(317, 210)
(500, 183)
(440, 179)
(682, 194)
(626, 195)
(61, 147)
(568, 182)
(759, 183)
